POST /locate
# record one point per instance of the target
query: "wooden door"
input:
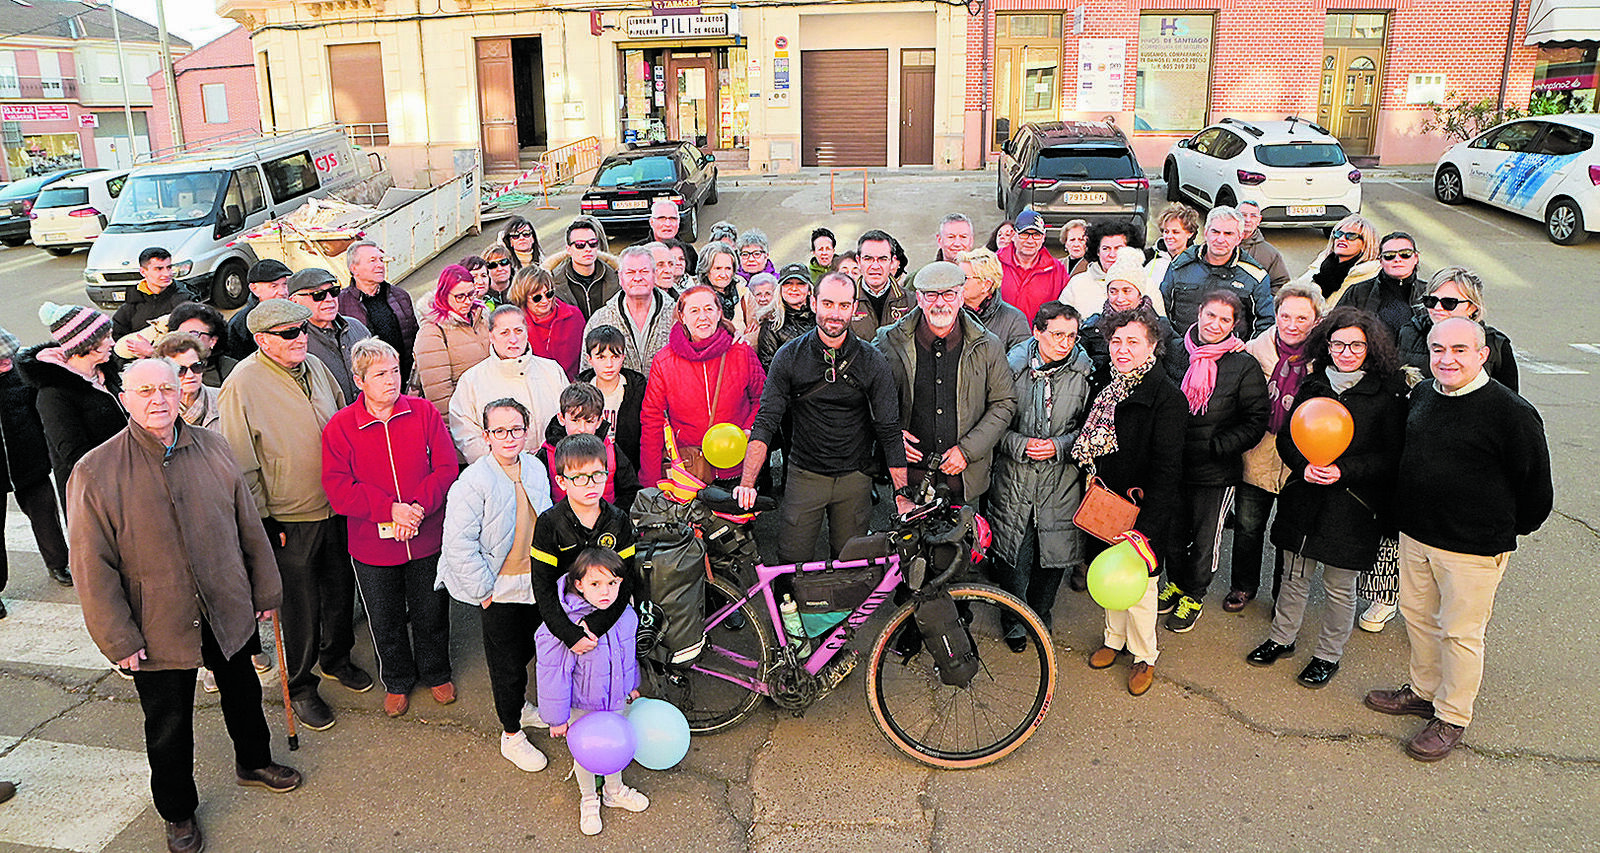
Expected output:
(844, 108)
(692, 99)
(1349, 95)
(497, 103)
(916, 108)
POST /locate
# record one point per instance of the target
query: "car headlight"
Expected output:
(182, 268)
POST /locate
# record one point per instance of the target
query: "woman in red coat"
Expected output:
(702, 377)
(555, 328)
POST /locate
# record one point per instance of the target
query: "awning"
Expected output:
(1563, 20)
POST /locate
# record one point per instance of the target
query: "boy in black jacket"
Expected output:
(580, 413)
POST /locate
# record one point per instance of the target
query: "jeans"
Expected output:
(1338, 612)
(1036, 585)
(318, 601)
(398, 596)
(1251, 509)
(508, 647)
(38, 503)
(807, 496)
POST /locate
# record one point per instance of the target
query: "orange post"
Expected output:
(834, 204)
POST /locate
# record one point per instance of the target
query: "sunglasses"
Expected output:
(1347, 235)
(1402, 254)
(585, 244)
(1448, 303)
(288, 334)
(494, 265)
(521, 235)
(196, 369)
(320, 295)
(540, 296)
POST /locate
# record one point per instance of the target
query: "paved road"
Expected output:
(1216, 754)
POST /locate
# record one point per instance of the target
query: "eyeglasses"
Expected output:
(288, 334)
(145, 392)
(1029, 235)
(494, 265)
(461, 297)
(585, 244)
(521, 235)
(874, 259)
(503, 433)
(941, 295)
(539, 297)
(196, 369)
(597, 478)
(752, 253)
(1448, 303)
(1347, 235)
(320, 295)
(1060, 337)
(1352, 347)
(1403, 254)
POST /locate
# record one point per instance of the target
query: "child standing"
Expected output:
(580, 413)
(604, 679)
(622, 388)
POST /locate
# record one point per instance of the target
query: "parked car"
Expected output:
(1072, 170)
(70, 214)
(1545, 168)
(16, 202)
(631, 180)
(1294, 169)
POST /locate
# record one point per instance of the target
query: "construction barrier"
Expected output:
(563, 165)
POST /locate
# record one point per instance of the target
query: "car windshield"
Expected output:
(1066, 163)
(24, 188)
(636, 171)
(1300, 155)
(157, 202)
(62, 197)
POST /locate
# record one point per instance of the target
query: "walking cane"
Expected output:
(283, 679)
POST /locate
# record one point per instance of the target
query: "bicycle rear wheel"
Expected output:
(962, 727)
(710, 701)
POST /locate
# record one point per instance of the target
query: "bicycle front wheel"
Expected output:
(963, 727)
(712, 692)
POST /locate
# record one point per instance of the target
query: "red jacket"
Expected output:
(369, 465)
(681, 382)
(1026, 288)
(558, 337)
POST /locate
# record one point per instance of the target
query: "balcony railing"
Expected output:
(39, 87)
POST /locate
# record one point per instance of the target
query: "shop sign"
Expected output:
(1564, 84)
(674, 7)
(677, 26)
(1173, 86)
(34, 112)
(88, 120)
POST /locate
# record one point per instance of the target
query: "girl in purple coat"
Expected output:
(605, 678)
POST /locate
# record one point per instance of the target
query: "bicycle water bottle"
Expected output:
(793, 626)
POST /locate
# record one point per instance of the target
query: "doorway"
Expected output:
(916, 107)
(691, 98)
(1352, 68)
(511, 100)
(527, 64)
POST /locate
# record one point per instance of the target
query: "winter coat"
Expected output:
(1262, 467)
(897, 303)
(1502, 363)
(205, 410)
(159, 541)
(1388, 299)
(332, 347)
(985, 400)
(1362, 271)
(1149, 456)
(601, 290)
(1215, 440)
(641, 351)
(76, 415)
(480, 526)
(141, 308)
(1340, 524)
(445, 350)
(558, 336)
(598, 680)
(1028, 494)
(677, 392)
(240, 342)
(404, 312)
(1005, 321)
(369, 465)
(1086, 291)
(26, 458)
(627, 423)
(1190, 278)
(1026, 288)
(276, 434)
(530, 380)
(773, 336)
(1266, 256)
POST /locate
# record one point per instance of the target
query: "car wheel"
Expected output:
(1447, 185)
(59, 251)
(689, 225)
(711, 197)
(13, 242)
(1564, 223)
(1169, 173)
(228, 286)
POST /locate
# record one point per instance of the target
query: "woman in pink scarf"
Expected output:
(1228, 410)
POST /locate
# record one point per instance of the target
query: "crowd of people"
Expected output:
(333, 440)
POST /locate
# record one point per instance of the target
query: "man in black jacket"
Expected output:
(1474, 475)
(268, 279)
(25, 468)
(845, 407)
(154, 298)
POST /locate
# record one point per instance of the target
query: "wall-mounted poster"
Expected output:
(1173, 91)
(1100, 75)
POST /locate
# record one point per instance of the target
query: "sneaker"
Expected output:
(518, 751)
(589, 815)
(208, 680)
(1182, 620)
(352, 677)
(1377, 616)
(625, 798)
(1167, 601)
(531, 718)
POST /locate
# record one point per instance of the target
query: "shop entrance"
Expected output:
(1352, 65)
(695, 94)
(511, 104)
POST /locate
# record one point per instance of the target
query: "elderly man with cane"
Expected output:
(170, 585)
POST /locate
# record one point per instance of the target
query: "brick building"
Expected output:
(216, 86)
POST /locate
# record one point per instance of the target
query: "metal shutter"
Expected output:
(844, 96)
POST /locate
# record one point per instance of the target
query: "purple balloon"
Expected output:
(602, 742)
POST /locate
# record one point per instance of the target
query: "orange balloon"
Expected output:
(1321, 429)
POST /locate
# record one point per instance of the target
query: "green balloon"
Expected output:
(1118, 578)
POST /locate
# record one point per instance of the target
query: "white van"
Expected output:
(70, 214)
(196, 205)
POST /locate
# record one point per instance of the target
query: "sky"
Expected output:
(193, 20)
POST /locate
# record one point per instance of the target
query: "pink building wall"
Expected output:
(228, 60)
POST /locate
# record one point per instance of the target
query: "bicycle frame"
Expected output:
(827, 647)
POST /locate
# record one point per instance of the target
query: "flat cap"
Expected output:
(267, 270)
(272, 313)
(939, 275)
(310, 279)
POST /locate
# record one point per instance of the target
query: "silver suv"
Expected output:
(1072, 170)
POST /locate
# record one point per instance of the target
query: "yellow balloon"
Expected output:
(723, 445)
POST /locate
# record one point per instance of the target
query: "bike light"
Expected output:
(1250, 179)
(1354, 176)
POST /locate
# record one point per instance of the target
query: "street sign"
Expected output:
(88, 120)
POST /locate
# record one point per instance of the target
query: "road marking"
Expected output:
(1532, 366)
(1592, 349)
(72, 797)
(42, 632)
(1457, 209)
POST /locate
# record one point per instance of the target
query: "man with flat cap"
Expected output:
(274, 406)
(267, 280)
(332, 335)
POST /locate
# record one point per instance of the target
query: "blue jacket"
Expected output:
(599, 680)
(480, 521)
(1190, 278)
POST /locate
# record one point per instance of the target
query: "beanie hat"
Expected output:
(9, 345)
(1129, 267)
(76, 328)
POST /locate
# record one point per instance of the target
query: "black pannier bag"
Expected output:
(672, 560)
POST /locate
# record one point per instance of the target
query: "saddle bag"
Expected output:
(672, 562)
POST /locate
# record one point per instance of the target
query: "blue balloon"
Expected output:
(601, 742)
(661, 732)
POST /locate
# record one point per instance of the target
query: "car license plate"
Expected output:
(56, 238)
(630, 204)
(119, 296)
(1086, 198)
(1307, 210)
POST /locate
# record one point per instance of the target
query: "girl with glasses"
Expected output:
(1351, 257)
(453, 337)
(1388, 295)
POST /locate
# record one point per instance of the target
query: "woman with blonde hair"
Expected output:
(1178, 224)
(981, 296)
(1351, 257)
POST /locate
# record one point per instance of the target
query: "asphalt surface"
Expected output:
(1216, 754)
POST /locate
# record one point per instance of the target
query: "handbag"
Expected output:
(689, 455)
(1104, 514)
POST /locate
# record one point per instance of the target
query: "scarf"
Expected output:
(1099, 434)
(1342, 381)
(692, 350)
(1041, 371)
(1201, 377)
(1144, 302)
(1331, 272)
(1284, 383)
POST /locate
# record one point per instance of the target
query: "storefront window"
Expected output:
(44, 153)
(1027, 71)
(1173, 91)
(1568, 75)
(698, 95)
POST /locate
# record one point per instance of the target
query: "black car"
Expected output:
(631, 180)
(16, 202)
(1066, 170)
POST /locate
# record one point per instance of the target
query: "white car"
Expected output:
(70, 214)
(1295, 170)
(1545, 167)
